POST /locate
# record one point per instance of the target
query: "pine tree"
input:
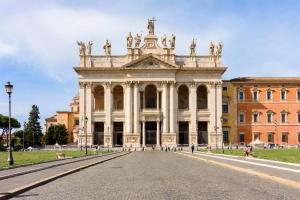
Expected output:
(33, 126)
(61, 134)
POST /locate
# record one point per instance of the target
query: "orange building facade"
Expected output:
(266, 110)
(69, 118)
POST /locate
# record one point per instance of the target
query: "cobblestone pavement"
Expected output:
(161, 175)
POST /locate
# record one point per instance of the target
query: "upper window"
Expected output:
(298, 95)
(183, 97)
(255, 95)
(242, 117)
(241, 95)
(255, 117)
(270, 117)
(225, 106)
(283, 117)
(269, 95)
(224, 88)
(283, 95)
(298, 116)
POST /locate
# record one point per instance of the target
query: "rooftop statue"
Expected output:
(129, 40)
(89, 47)
(193, 48)
(219, 49)
(150, 26)
(137, 39)
(172, 41)
(164, 40)
(107, 48)
(211, 49)
(82, 48)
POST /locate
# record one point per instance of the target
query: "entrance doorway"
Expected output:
(99, 133)
(202, 133)
(150, 134)
(183, 134)
(118, 134)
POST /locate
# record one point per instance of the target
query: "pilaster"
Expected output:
(108, 107)
(193, 111)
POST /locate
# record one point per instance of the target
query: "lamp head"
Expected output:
(9, 88)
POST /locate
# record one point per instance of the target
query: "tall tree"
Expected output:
(33, 126)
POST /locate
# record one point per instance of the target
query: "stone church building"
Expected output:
(150, 96)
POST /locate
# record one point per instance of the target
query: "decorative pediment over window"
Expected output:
(150, 61)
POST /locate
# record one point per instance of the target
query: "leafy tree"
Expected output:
(61, 134)
(33, 126)
(50, 135)
(4, 123)
(57, 134)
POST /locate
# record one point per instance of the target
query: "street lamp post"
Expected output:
(9, 88)
(85, 129)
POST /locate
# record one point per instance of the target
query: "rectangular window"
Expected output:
(270, 137)
(76, 122)
(283, 117)
(242, 137)
(284, 137)
(255, 96)
(269, 95)
(298, 117)
(256, 136)
(225, 107)
(224, 88)
(298, 95)
(225, 137)
(269, 117)
(241, 96)
(283, 95)
(255, 117)
(242, 118)
(298, 137)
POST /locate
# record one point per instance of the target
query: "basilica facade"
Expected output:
(150, 96)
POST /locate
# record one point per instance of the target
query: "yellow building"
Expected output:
(69, 118)
(228, 110)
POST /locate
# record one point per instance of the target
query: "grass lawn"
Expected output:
(28, 157)
(284, 155)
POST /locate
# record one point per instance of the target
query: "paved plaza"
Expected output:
(161, 175)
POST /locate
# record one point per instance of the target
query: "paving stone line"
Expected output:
(35, 184)
(50, 166)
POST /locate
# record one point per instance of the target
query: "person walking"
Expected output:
(192, 147)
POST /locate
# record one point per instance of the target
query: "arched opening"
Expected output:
(118, 98)
(150, 96)
(201, 97)
(183, 97)
(98, 98)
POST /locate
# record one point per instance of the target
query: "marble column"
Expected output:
(193, 111)
(165, 108)
(128, 109)
(89, 101)
(173, 108)
(157, 133)
(81, 112)
(107, 108)
(136, 108)
(144, 133)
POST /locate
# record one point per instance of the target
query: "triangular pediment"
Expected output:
(150, 61)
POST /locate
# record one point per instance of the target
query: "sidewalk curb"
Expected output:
(35, 184)
(51, 166)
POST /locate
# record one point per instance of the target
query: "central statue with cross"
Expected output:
(150, 26)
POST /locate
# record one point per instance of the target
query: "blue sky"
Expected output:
(38, 47)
